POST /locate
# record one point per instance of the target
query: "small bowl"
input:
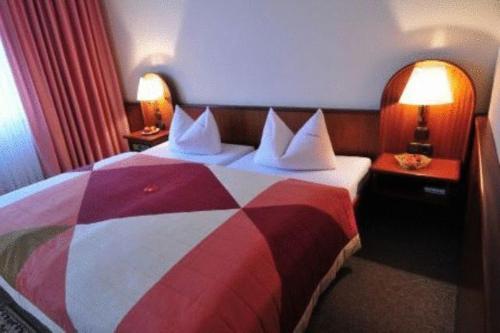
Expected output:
(412, 161)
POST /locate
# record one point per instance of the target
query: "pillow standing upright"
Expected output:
(200, 136)
(309, 149)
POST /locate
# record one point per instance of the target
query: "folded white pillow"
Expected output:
(309, 149)
(200, 136)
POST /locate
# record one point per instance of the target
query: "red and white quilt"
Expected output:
(152, 244)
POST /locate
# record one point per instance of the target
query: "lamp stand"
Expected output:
(159, 121)
(421, 135)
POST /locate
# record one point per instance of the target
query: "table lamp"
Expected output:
(428, 85)
(150, 90)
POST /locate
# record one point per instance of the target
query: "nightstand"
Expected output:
(434, 184)
(139, 142)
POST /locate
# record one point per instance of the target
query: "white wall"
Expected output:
(298, 52)
(494, 113)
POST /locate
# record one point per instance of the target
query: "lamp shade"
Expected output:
(428, 85)
(149, 89)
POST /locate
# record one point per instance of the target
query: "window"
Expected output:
(19, 164)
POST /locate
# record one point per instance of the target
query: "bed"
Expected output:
(350, 172)
(151, 244)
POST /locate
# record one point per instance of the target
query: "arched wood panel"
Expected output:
(449, 124)
(164, 104)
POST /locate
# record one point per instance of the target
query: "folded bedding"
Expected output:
(156, 244)
(350, 172)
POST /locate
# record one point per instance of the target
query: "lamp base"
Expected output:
(159, 121)
(420, 148)
(421, 133)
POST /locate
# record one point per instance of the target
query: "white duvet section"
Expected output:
(242, 192)
(348, 173)
(229, 153)
(113, 159)
(129, 254)
(26, 191)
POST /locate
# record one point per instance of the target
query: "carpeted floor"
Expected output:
(404, 278)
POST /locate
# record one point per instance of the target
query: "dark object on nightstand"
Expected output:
(435, 183)
(139, 142)
(419, 148)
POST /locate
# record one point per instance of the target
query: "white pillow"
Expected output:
(309, 149)
(200, 136)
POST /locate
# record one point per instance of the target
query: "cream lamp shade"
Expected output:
(149, 89)
(428, 85)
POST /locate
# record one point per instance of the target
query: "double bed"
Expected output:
(158, 241)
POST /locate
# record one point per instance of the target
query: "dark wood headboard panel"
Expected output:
(353, 132)
(478, 302)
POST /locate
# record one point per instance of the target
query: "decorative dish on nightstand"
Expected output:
(412, 161)
(150, 130)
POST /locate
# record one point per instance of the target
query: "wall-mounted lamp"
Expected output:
(151, 89)
(428, 85)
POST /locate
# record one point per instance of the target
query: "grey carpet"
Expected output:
(403, 280)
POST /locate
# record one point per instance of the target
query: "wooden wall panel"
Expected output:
(478, 301)
(449, 125)
(134, 116)
(164, 104)
(353, 132)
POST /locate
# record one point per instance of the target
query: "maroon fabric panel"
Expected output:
(144, 190)
(304, 242)
(63, 66)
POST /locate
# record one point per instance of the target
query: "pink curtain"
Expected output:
(61, 58)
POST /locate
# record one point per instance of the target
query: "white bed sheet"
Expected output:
(229, 153)
(350, 171)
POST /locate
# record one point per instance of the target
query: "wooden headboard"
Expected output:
(353, 132)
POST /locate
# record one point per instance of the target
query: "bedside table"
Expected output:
(434, 184)
(139, 142)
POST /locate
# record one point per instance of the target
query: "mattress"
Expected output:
(349, 173)
(229, 153)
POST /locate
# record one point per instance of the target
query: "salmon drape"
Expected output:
(61, 58)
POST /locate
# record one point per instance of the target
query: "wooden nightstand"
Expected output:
(434, 184)
(139, 142)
